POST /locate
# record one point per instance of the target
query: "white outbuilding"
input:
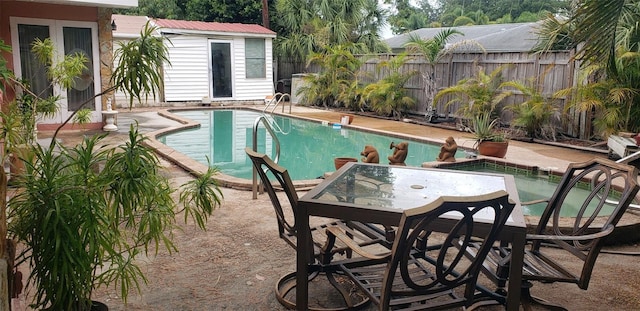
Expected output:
(215, 62)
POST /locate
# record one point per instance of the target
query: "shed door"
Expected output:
(221, 82)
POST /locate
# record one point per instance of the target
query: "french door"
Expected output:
(69, 38)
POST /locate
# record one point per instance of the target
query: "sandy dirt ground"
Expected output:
(235, 263)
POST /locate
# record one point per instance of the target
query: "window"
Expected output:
(255, 58)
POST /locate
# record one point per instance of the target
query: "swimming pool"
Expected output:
(307, 148)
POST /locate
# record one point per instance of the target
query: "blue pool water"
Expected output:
(307, 149)
(533, 187)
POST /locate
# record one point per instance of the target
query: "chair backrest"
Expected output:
(611, 188)
(438, 269)
(286, 219)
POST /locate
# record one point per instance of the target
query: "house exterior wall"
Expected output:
(188, 78)
(39, 10)
(47, 13)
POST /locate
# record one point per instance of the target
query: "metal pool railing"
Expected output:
(262, 119)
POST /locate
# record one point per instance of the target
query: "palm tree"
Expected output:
(480, 94)
(265, 13)
(311, 26)
(608, 34)
(387, 96)
(433, 50)
(598, 26)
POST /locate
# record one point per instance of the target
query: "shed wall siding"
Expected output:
(187, 78)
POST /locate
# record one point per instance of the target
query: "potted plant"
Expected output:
(84, 214)
(489, 140)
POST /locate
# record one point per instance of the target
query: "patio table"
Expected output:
(378, 194)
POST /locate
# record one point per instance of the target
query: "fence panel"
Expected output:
(550, 72)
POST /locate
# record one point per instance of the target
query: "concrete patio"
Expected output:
(235, 264)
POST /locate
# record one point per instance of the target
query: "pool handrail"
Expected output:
(275, 101)
(256, 124)
(627, 160)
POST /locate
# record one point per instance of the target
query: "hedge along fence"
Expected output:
(552, 72)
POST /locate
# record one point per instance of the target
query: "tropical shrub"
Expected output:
(336, 84)
(536, 114)
(84, 214)
(476, 95)
(387, 96)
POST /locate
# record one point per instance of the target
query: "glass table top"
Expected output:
(401, 187)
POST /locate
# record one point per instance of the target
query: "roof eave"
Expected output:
(179, 31)
(122, 4)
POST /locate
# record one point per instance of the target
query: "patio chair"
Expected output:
(565, 249)
(276, 178)
(425, 270)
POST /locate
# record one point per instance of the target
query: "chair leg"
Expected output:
(286, 285)
(527, 300)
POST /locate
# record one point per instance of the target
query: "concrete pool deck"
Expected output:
(236, 262)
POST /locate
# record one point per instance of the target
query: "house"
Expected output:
(517, 37)
(75, 26)
(213, 61)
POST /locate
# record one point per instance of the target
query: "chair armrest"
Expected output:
(583, 237)
(532, 202)
(334, 233)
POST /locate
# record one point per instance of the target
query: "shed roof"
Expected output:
(518, 37)
(128, 25)
(214, 27)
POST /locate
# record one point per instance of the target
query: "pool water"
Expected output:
(307, 149)
(534, 187)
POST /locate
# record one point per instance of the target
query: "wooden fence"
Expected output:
(550, 71)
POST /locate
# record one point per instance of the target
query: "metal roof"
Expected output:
(214, 27)
(128, 25)
(518, 37)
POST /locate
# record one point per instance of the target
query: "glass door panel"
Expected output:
(33, 71)
(78, 41)
(221, 70)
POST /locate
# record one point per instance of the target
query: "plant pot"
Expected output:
(98, 306)
(349, 118)
(496, 149)
(339, 162)
(95, 306)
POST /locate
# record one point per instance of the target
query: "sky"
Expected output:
(385, 33)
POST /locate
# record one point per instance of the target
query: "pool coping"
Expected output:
(224, 180)
(196, 168)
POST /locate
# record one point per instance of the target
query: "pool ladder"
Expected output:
(276, 100)
(262, 119)
(627, 160)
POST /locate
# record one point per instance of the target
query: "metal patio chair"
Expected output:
(276, 178)
(424, 271)
(565, 249)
